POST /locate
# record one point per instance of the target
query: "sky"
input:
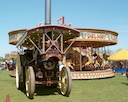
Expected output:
(98, 14)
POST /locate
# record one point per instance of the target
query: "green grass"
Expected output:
(100, 90)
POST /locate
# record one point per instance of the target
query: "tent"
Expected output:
(119, 55)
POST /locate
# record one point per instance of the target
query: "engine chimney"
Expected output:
(47, 12)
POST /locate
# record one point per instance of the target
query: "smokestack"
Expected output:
(47, 12)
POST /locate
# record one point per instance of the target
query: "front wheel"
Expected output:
(65, 79)
(30, 82)
(19, 75)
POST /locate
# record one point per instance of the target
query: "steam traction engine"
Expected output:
(41, 49)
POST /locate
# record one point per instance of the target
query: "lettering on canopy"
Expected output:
(98, 36)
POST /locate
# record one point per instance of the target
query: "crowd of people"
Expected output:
(119, 66)
(9, 64)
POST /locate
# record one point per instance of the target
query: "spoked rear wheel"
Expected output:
(65, 78)
(30, 82)
(19, 77)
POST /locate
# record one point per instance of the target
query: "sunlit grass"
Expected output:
(100, 90)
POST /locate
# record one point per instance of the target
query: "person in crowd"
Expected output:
(94, 56)
(8, 63)
(127, 74)
(121, 66)
(113, 65)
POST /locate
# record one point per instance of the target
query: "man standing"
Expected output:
(121, 66)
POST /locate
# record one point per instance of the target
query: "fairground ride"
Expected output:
(80, 56)
(44, 48)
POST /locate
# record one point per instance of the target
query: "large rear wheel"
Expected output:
(30, 82)
(19, 75)
(65, 79)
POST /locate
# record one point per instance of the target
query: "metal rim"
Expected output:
(66, 81)
(30, 82)
(17, 72)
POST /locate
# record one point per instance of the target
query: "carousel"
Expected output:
(88, 56)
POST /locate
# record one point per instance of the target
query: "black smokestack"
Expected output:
(47, 12)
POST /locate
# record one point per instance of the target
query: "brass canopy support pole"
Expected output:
(62, 42)
(69, 46)
(43, 43)
(80, 60)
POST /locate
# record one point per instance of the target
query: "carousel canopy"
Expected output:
(95, 38)
(119, 55)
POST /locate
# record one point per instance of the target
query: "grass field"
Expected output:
(100, 90)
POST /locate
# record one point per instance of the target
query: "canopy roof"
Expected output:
(34, 33)
(15, 35)
(119, 55)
